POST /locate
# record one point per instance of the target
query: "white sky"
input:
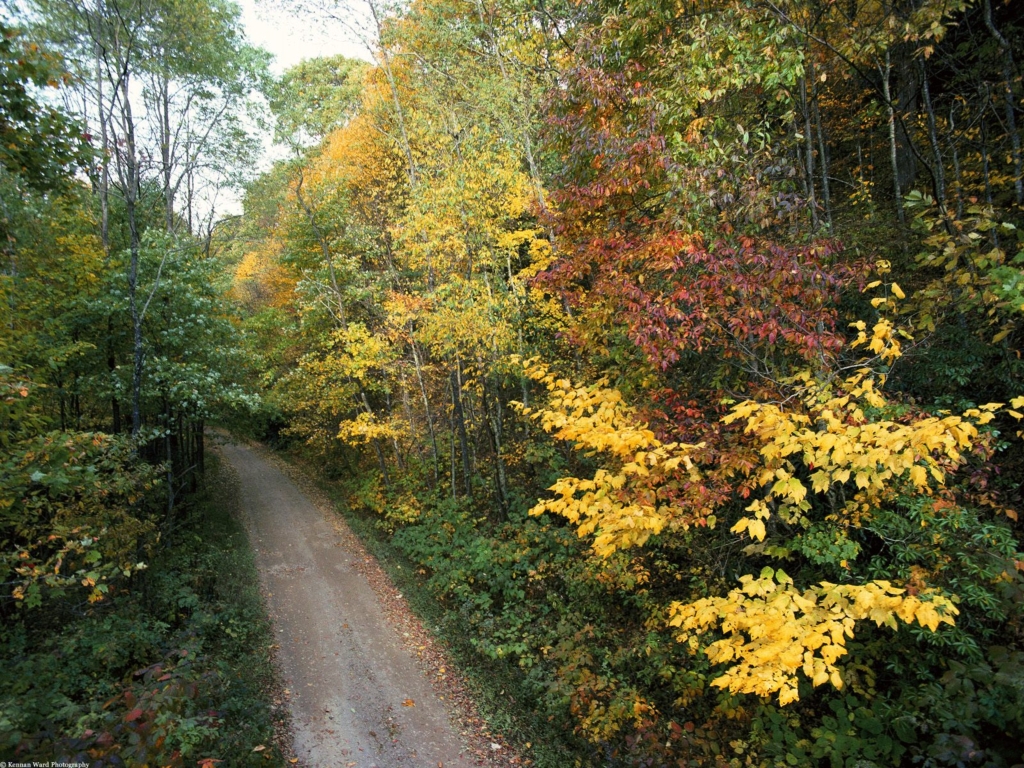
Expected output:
(293, 38)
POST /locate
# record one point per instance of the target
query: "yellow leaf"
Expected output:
(821, 481)
(918, 476)
(773, 631)
(741, 525)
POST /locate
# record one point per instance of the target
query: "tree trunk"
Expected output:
(522, 117)
(325, 249)
(985, 162)
(890, 110)
(1009, 103)
(393, 87)
(939, 174)
(165, 150)
(812, 202)
(426, 406)
(115, 404)
(104, 185)
(201, 445)
(994, 232)
(451, 444)
(460, 424)
(169, 458)
(131, 196)
(826, 189)
(956, 164)
(493, 408)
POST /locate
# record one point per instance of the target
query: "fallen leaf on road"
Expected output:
(408, 703)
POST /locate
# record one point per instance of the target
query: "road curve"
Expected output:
(358, 699)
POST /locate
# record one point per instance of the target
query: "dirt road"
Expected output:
(357, 696)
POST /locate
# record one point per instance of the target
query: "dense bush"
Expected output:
(170, 667)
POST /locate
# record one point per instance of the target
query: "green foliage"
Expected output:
(173, 669)
(73, 507)
(316, 96)
(38, 143)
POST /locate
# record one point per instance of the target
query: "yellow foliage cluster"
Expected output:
(883, 341)
(467, 217)
(328, 383)
(366, 427)
(358, 353)
(827, 433)
(466, 319)
(830, 435)
(774, 630)
(601, 720)
(355, 164)
(623, 506)
(826, 436)
(260, 278)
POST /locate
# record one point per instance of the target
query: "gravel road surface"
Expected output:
(357, 696)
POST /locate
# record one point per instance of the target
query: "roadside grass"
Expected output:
(242, 644)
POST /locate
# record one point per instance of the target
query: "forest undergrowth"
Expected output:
(174, 668)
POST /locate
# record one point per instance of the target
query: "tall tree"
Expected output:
(163, 79)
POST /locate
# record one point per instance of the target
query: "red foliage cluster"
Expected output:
(750, 302)
(626, 259)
